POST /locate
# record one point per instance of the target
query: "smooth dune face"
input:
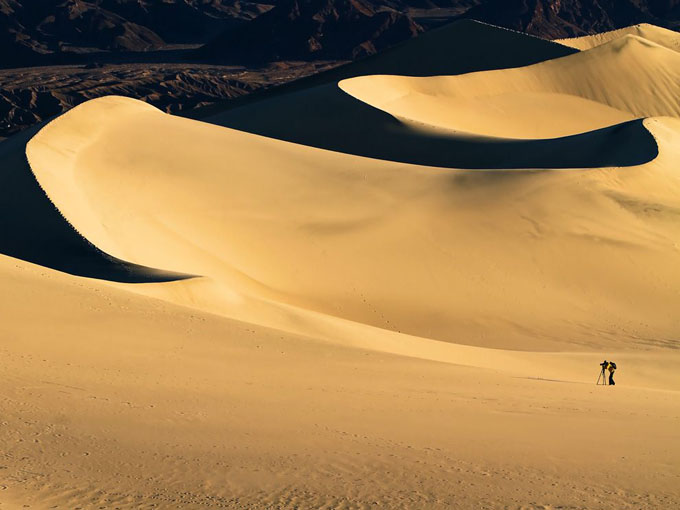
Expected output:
(661, 36)
(331, 330)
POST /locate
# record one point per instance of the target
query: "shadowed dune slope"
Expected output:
(662, 36)
(461, 47)
(339, 234)
(627, 78)
(328, 118)
(34, 230)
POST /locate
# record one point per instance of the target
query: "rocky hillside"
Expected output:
(186, 21)
(33, 30)
(554, 19)
(32, 95)
(51, 31)
(349, 29)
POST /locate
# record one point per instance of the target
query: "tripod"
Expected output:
(602, 377)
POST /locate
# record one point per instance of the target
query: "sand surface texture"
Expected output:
(381, 291)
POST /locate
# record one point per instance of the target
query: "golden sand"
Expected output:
(331, 330)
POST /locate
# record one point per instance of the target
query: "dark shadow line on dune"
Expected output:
(623, 145)
(33, 229)
(326, 117)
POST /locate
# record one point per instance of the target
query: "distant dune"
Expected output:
(626, 78)
(368, 289)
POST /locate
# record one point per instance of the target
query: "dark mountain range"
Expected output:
(347, 29)
(313, 29)
(32, 30)
(32, 95)
(48, 31)
(186, 21)
(553, 19)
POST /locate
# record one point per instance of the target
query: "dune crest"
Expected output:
(33, 228)
(662, 36)
(426, 55)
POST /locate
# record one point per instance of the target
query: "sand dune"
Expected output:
(370, 325)
(662, 36)
(243, 210)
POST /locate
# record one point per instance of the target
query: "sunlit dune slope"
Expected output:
(493, 258)
(510, 110)
(662, 36)
(199, 411)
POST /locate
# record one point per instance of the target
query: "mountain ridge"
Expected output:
(39, 31)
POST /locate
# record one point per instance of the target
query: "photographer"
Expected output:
(611, 366)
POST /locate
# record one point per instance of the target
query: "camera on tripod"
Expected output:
(602, 378)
